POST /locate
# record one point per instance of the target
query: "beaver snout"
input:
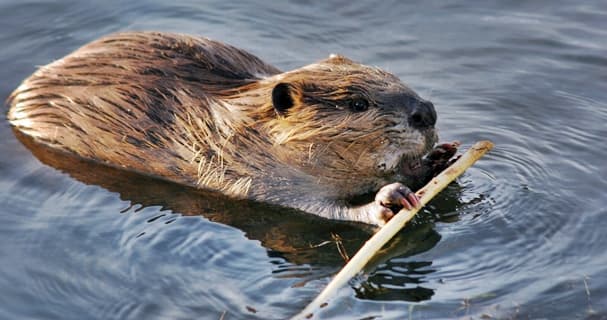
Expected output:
(423, 115)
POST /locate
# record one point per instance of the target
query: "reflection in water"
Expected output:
(299, 238)
(396, 282)
(394, 277)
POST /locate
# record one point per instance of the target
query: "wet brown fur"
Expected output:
(199, 112)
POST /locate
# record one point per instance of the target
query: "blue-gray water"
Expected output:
(521, 236)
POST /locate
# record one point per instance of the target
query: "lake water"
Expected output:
(522, 235)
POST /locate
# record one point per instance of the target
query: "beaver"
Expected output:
(206, 114)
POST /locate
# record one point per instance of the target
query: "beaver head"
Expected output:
(351, 126)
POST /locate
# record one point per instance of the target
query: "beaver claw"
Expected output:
(417, 174)
(441, 157)
(392, 198)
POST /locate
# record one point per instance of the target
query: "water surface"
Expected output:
(521, 235)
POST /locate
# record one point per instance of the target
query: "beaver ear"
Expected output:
(339, 59)
(281, 97)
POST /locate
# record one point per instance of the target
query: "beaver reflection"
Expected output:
(284, 232)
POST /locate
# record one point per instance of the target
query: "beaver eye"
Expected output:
(359, 105)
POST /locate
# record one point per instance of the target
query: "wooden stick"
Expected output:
(395, 224)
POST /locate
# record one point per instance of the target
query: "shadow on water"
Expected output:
(296, 237)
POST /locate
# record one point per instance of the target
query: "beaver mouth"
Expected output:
(411, 163)
(410, 167)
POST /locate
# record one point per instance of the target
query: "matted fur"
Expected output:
(199, 112)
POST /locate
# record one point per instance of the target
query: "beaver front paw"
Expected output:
(441, 157)
(391, 199)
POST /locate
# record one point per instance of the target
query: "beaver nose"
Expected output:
(423, 116)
